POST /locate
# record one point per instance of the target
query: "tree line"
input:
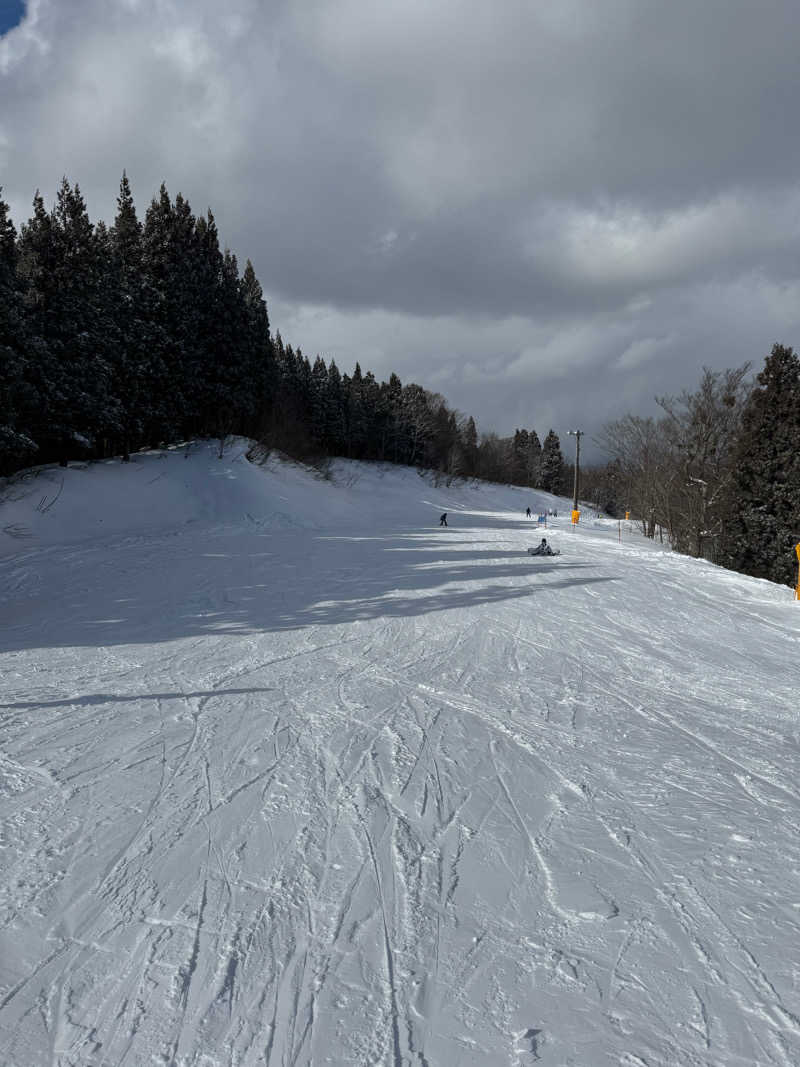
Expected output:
(145, 333)
(719, 472)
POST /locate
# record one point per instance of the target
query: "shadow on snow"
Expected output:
(243, 582)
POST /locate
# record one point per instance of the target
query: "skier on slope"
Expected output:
(443, 519)
(542, 549)
(528, 513)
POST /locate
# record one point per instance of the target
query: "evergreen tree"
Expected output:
(335, 411)
(170, 266)
(35, 260)
(232, 401)
(519, 457)
(260, 371)
(552, 470)
(319, 402)
(65, 269)
(375, 418)
(763, 514)
(17, 395)
(136, 368)
(146, 333)
(391, 396)
(533, 460)
(470, 447)
(209, 356)
(357, 427)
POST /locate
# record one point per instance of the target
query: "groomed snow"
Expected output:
(290, 775)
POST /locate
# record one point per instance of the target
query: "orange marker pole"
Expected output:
(797, 590)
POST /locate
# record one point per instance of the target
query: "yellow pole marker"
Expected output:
(575, 516)
(627, 516)
(797, 590)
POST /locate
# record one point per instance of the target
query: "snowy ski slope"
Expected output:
(289, 775)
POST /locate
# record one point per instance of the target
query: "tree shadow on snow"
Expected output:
(202, 583)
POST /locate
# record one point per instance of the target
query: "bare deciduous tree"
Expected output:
(674, 470)
(639, 448)
(700, 429)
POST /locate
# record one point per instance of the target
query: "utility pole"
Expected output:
(577, 434)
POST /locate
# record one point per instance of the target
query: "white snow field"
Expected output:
(291, 775)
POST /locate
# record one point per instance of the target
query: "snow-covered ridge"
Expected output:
(168, 489)
(290, 774)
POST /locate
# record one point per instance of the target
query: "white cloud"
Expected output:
(641, 351)
(631, 247)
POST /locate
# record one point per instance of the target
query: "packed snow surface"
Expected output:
(289, 774)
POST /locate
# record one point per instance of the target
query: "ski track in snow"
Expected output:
(384, 794)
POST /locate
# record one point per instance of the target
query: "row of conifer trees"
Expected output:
(145, 333)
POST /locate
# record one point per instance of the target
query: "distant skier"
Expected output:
(443, 520)
(527, 513)
(542, 549)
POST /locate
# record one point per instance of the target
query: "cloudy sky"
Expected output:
(547, 210)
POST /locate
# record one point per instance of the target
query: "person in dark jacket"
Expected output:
(443, 520)
(528, 513)
(542, 549)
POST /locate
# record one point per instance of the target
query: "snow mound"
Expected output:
(166, 490)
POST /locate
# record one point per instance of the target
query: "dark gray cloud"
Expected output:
(547, 212)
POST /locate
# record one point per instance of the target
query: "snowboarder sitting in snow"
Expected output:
(443, 520)
(542, 549)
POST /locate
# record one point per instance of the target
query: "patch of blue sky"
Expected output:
(12, 12)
